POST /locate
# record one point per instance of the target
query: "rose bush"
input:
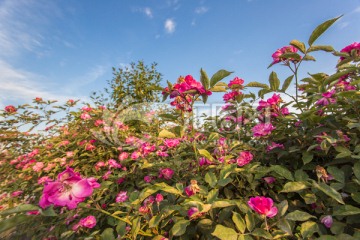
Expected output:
(278, 170)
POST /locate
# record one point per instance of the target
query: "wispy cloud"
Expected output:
(357, 10)
(148, 12)
(170, 25)
(201, 10)
(343, 25)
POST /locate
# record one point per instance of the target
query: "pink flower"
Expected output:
(274, 145)
(86, 108)
(244, 158)
(123, 156)
(44, 180)
(121, 197)
(34, 212)
(106, 175)
(69, 154)
(88, 222)
(263, 206)
(348, 49)
(192, 211)
(166, 173)
(69, 190)
(262, 129)
(204, 161)
(99, 122)
(236, 83)
(10, 109)
(171, 143)
(89, 147)
(162, 153)
(159, 198)
(38, 166)
(269, 180)
(135, 155)
(16, 193)
(231, 96)
(120, 180)
(189, 191)
(327, 221)
(147, 179)
(327, 98)
(287, 49)
(113, 164)
(85, 116)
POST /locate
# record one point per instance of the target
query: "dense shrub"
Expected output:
(278, 170)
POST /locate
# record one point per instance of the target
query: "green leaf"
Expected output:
(282, 207)
(154, 221)
(325, 48)
(225, 233)
(218, 89)
(308, 229)
(108, 234)
(205, 153)
(356, 170)
(218, 76)
(222, 204)
(299, 45)
(205, 226)
(307, 157)
(226, 171)
(291, 55)
(204, 79)
(12, 222)
(179, 227)
(239, 222)
(49, 212)
(336, 76)
(204, 98)
(299, 216)
(337, 173)
(294, 187)
(344, 152)
(319, 30)
(224, 182)
(308, 57)
(166, 134)
(259, 232)
(212, 195)
(346, 210)
(121, 228)
(166, 188)
(282, 171)
(331, 192)
(257, 84)
(287, 83)
(250, 221)
(20, 208)
(284, 225)
(274, 81)
(210, 178)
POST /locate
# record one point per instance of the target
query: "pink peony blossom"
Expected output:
(263, 206)
(171, 143)
(121, 197)
(69, 190)
(88, 222)
(236, 83)
(147, 179)
(244, 158)
(262, 129)
(348, 49)
(327, 221)
(162, 153)
(287, 49)
(204, 161)
(45, 180)
(166, 173)
(231, 96)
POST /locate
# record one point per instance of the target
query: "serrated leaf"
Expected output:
(331, 192)
(179, 227)
(290, 55)
(226, 171)
(287, 83)
(218, 76)
(239, 222)
(356, 170)
(222, 204)
(225, 233)
(299, 216)
(166, 188)
(319, 30)
(294, 187)
(299, 45)
(204, 79)
(325, 48)
(274, 81)
(282, 207)
(257, 84)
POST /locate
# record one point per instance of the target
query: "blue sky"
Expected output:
(59, 49)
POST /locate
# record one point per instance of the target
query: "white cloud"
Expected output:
(201, 10)
(343, 25)
(170, 25)
(148, 12)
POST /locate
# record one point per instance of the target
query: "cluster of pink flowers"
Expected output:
(68, 190)
(327, 98)
(354, 47)
(263, 206)
(235, 85)
(148, 202)
(277, 54)
(25, 161)
(271, 107)
(183, 91)
(10, 109)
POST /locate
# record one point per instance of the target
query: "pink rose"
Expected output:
(10, 109)
(244, 158)
(166, 173)
(121, 197)
(262, 129)
(327, 221)
(263, 206)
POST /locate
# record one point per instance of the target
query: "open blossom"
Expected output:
(147, 179)
(85, 116)
(88, 222)
(121, 197)
(327, 98)
(10, 109)
(274, 145)
(263, 206)
(44, 180)
(244, 158)
(135, 155)
(327, 221)
(262, 129)
(113, 164)
(38, 166)
(123, 156)
(171, 143)
(231, 96)
(236, 83)
(68, 190)
(354, 46)
(287, 49)
(166, 173)
(159, 198)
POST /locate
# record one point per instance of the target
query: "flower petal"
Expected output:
(81, 189)
(273, 211)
